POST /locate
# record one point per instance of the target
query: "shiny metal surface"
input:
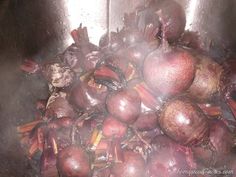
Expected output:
(40, 29)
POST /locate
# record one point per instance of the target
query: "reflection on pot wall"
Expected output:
(35, 26)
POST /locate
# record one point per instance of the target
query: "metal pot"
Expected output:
(40, 29)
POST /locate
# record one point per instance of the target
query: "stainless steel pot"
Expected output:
(40, 29)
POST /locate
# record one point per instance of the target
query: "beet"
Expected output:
(113, 128)
(58, 106)
(184, 121)
(146, 121)
(172, 18)
(170, 71)
(220, 145)
(58, 74)
(206, 83)
(169, 159)
(124, 105)
(132, 166)
(73, 161)
(86, 94)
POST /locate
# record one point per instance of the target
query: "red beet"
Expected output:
(74, 57)
(48, 162)
(125, 105)
(131, 36)
(184, 121)
(86, 94)
(58, 74)
(172, 18)
(221, 142)
(206, 83)
(170, 71)
(169, 158)
(136, 53)
(113, 128)
(115, 41)
(73, 161)
(91, 59)
(58, 106)
(133, 166)
(146, 121)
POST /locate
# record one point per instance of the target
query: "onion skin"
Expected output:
(125, 105)
(168, 157)
(73, 162)
(113, 128)
(206, 83)
(133, 166)
(184, 122)
(169, 72)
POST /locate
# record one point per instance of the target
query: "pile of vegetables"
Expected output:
(146, 102)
